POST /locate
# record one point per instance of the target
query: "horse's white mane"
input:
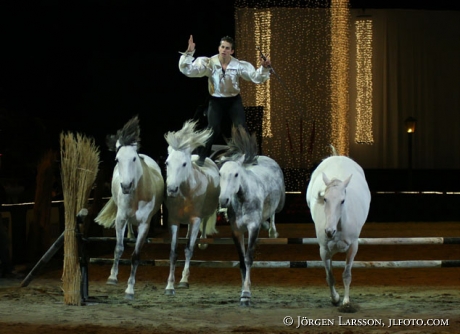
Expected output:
(188, 137)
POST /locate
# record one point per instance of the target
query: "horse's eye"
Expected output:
(342, 201)
(184, 164)
(325, 200)
(134, 159)
(236, 175)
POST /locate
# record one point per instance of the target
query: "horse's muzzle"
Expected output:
(172, 191)
(330, 233)
(126, 189)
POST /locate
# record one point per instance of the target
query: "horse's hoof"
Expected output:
(245, 299)
(349, 308)
(335, 303)
(112, 281)
(129, 296)
(245, 302)
(170, 292)
(183, 285)
(274, 235)
(335, 299)
(202, 246)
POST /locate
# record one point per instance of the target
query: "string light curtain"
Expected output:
(363, 35)
(262, 34)
(340, 23)
(306, 100)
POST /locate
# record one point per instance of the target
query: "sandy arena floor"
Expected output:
(429, 298)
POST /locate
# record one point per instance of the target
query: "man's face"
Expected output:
(225, 49)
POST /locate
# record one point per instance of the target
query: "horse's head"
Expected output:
(178, 170)
(126, 144)
(129, 167)
(179, 163)
(334, 200)
(230, 180)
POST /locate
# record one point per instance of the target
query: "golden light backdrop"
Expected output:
(306, 105)
(363, 32)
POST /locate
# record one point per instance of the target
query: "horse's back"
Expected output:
(212, 171)
(271, 178)
(152, 164)
(213, 187)
(338, 166)
(154, 182)
(341, 167)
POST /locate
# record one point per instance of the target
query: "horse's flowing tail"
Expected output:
(210, 225)
(210, 228)
(107, 215)
(334, 151)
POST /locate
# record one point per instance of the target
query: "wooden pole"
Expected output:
(44, 260)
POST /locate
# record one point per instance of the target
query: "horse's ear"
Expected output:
(347, 181)
(326, 179)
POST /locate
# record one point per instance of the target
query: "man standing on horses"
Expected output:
(223, 72)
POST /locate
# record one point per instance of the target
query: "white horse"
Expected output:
(137, 194)
(252, 190)
(192, 194)
(339, 198)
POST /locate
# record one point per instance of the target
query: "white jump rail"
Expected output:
(292, 264)
(299, 241)
(298, 264)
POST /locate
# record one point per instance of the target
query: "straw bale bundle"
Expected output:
(79, 167)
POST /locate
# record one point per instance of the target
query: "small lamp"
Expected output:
(410, 123)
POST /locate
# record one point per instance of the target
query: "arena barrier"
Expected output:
(291, 264)
(297, 264)
(297, 241)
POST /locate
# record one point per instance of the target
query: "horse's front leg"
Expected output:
(346, 276)
(120, 225)
(188, 231)
(193, 228)
(327, 260)
(253, 233)
(143, 230)
(172, 259)
(238, 240)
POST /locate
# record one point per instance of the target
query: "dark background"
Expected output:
(91, 66)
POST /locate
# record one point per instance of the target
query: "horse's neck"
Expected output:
(196, 177)
(146, 181)
(244, 185)
(191, 182)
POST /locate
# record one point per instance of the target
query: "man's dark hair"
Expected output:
(228, 39)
